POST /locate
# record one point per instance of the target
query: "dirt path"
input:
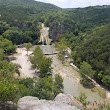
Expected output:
(23, 59)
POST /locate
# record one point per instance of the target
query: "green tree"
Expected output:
(1, 54)
(45, 67)
(14, 35)
(43, 88)
(38, 56)
(24, 91)
(28, 82)
(106, 81)
(8, 91)
(94, 49)
(27, 46)
(58, 85)
(42, 63)
(87, 74)
(3, 27)
(62, 46)
(7, 46)
(86, 70)
(83, 99)
(8, 69)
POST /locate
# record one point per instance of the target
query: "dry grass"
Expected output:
(100, 91)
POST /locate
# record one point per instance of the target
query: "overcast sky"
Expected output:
(76, 3)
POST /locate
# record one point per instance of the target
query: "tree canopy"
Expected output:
(95, 50)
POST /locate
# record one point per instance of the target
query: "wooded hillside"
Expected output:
(86, 29)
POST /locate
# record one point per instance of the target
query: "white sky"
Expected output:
(76, 3)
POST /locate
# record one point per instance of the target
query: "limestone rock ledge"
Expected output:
(61, 102)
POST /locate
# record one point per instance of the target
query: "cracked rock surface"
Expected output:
(61, 102)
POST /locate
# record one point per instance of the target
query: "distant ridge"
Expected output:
(27, 3)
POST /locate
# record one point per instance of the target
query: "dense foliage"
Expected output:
(23, 17)
(26, 15)
(95, 50)
(46, 86)
(7, 46)
(84, 28)
(9, 87)
(41, 62)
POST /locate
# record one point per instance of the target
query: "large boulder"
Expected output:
(67, 99)
(61, 102)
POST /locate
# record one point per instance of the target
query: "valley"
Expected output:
(47, 52)
(71, 78)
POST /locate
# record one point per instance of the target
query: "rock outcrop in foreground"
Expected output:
(61, 102)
